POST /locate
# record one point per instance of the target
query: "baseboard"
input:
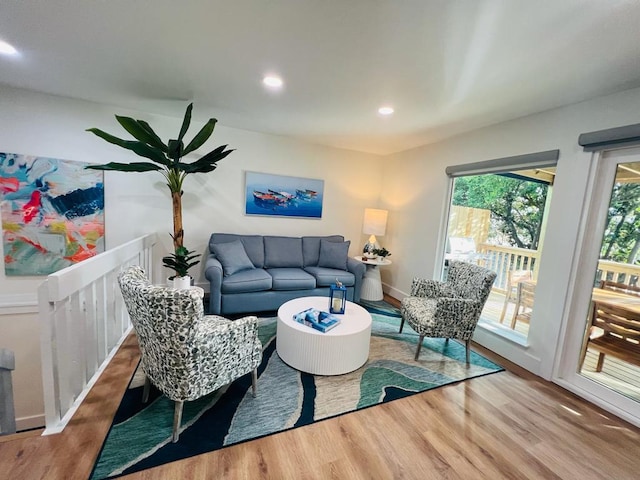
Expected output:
(394, 292)
(27, 423)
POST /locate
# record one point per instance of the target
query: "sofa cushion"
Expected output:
(291, 279)
(282, 252)
(256, 280)
(326, 276)
(334, 254)
(233, 257)
(311, 248)
(253, 245)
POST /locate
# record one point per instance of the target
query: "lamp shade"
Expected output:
(375, 221)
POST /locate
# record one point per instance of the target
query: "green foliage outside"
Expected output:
(517, 208)
(516, 205)
(621, 240)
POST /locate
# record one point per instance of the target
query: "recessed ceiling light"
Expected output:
(385, 110)
(7, 49)
(272, 81)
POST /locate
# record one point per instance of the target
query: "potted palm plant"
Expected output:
(180, 261)
(166, 158)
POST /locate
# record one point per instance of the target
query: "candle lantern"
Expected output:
(337, 297)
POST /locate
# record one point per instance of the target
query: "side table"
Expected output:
(371, 283)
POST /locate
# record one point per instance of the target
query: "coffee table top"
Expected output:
(355, 319)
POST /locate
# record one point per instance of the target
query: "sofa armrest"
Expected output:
(357, 268)
(213, 272)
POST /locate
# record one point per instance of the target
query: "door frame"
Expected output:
(602, 173)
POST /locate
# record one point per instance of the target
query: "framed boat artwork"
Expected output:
(283, 196)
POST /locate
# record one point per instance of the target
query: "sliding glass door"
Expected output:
(601, 357)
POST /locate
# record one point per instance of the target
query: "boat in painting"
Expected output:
(283, 194)
(268, 200)
(306, 194)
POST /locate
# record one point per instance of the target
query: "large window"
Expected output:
(497, 220)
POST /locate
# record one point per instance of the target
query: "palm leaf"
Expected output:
(186, 122)
(141, 132)
(139, 148)
(150, 130)
(207, 163)
(175, 151)
(126, 167)
(201, 137)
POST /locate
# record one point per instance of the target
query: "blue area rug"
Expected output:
(140, 436)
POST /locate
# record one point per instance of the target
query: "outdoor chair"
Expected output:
(185, 354)
(620, 287)
(448, 309)
(613, 330)
(514, 277)
(524, 303)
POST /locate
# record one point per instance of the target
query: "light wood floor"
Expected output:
(507, 425)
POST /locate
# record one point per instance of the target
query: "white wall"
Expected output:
(415, 192)
(135, 204)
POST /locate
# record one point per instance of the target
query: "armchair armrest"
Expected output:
(223, 345)
(457, 316)
(422, 287)
(219, 351)
(243, 329)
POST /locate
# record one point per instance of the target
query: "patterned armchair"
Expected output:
(185, 354)
(448, 309)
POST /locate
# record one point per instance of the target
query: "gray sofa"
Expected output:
(255, 273)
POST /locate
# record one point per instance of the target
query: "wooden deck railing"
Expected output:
(83, 321)
(502, 259)
(618, 272)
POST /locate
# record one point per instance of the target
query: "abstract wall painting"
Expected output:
(52, 213)
(280, 195)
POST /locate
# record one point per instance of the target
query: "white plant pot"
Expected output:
(180, 283)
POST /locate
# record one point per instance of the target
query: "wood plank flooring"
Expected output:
(509, 425)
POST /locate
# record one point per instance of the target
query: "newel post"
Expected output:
(7, 412)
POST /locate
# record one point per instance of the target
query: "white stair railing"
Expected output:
(83, 322)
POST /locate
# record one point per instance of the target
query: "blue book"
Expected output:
(314, 318)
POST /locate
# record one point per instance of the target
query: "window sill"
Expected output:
(503, 331)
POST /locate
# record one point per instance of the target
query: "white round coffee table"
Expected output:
(341, 350)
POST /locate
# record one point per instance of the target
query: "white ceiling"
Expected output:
(446, 66)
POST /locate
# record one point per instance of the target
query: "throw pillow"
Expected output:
(233, 257)
(282, 252)
(334, 254)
